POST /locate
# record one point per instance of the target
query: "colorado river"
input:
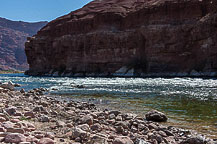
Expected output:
(189, 102)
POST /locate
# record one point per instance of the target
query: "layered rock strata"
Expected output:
(129, 38)
(13, 36)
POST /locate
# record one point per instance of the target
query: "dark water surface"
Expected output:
(189, 102)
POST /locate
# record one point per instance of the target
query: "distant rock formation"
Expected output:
(13, 36)
(129, 38)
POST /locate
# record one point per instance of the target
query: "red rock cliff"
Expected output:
(13, 36)
(129, 38)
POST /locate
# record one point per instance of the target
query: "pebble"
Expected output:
(44, 118)
(16, 130)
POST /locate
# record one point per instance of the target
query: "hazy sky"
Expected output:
(38, 10)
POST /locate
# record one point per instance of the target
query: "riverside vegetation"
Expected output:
(33, 117)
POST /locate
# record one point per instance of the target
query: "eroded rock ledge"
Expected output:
(129, 38)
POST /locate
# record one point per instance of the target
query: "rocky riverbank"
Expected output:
(32, 117)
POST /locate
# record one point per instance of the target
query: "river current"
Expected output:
(190, 103)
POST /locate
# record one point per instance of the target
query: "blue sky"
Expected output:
(38, 10)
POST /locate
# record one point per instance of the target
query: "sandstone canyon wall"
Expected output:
(13, 36)
(129, 38)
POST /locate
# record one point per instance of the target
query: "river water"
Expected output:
(190, 103)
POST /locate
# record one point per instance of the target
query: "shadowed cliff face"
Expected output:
(13, 35)
(129, 38)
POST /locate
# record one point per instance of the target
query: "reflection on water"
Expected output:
(189, 102)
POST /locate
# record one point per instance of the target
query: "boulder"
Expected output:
(60, 123)
(11, 110)
(96, 127)
(38, 109)
(7, 124)
(84, 127)
(122, 140)
(22, 90)
(7, 86)
(2, 139)
(156, 116)
(2, 129)
(46, 141)
(140, 141)
(1, 89)
(10, 83)
(98, 139)
(195, 140)
(114, 112)
(17, 85)
(3, 134)
(29, 114)
(86, 120)
(15, 138)
(2, 119)
(16, 130)
(43, 118)
(77, 132)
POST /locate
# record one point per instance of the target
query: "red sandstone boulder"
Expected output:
(122, 140)
(15, 138)
(46, 141)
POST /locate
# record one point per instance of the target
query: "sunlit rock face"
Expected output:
(13, 36)
(129, 38)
